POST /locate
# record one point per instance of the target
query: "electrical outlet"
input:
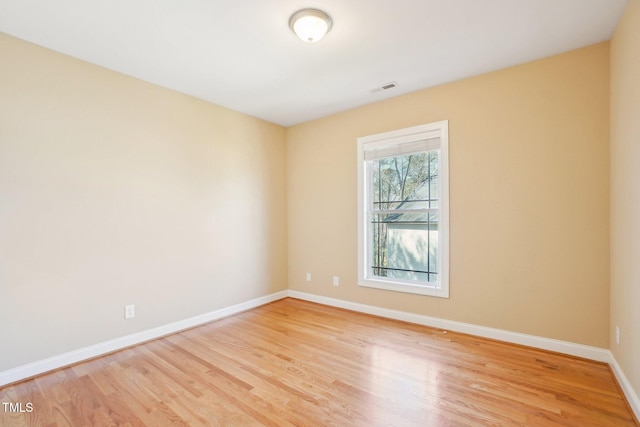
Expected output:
(308, 277)
(617, 335)
(129, 311)
(336, 281)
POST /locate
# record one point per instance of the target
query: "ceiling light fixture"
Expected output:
(310, 25)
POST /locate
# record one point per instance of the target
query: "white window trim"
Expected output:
(427, 131)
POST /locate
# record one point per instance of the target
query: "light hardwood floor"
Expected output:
(298, 363)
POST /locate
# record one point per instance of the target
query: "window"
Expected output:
(403, 210)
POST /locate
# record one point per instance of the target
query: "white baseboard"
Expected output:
(41, 366)
(579, 350)
(627, 389)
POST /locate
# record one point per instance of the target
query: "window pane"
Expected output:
(406, 182)
(405, 246)
(403, 210)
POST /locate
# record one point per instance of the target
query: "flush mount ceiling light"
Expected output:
(310, 25)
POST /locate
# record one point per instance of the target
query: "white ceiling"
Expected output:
(242, 55)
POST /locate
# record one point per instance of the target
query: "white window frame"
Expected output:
(439, 130)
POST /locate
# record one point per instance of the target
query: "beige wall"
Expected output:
(114, 191)
(529, 194)
(625, 192)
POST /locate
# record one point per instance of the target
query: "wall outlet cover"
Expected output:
(129, 311)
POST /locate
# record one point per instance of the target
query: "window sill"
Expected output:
(435, 290)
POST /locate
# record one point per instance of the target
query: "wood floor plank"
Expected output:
(296, 363)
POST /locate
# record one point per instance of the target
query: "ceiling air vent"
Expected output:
(385, 86)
